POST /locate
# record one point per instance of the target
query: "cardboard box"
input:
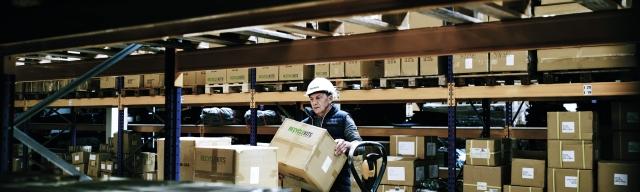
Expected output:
(146, 162)
(108, 167)
(483, 178)
(133, 81)
(153, 80)
(16, 164)
(413, 146)
(104, 148)
(80, 158)
(471, 63)
(108, 82)
(513, 188)
(625, 116)
(321, 70)
(618, 176)
(294, 184)
(551, 2)
(570, 154)
(486, 152)
(77, 148)
(187, 153)
(352, 68)
(508, 61)
(268, 73)
(592, 57)
(96, 158)
(392, 67)
(394, 188)
(201, 77)
(105, 176)
(429, 65)
(405, 171)
(295, 72)
(418, 20)
(307, 152)
(626, 146)
(571, 125)
(130, 142)
(565, 180)
(81, 167)
(190, 78)
(150, 176)
(336, 69)
(409, 66)
(528, 172)
(238, 164)
(238, 75)
(560, 9)
(364, 69)
(216, 76)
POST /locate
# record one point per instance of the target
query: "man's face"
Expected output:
(320, 102)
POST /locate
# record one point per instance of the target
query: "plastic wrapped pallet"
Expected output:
(265, 117)
(217, 116)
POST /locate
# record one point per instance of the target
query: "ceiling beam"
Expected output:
(215, 40)
(269, 34)
(494, 10)
(303, 30)
(134, 20)
(375, 24)
(97, 51)
(544, 32)
(449, 15)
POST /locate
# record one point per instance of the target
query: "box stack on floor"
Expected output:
(145, 165)
(16, 158)
(131, 145)
(570, 151)
(619, 173)
(526, 175)
(188, 147)
(486, 165)
(80, 157)
(412, 161)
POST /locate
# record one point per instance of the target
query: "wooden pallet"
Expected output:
(193, 90)
(107, 93)
(281, 86)
(588, 76)
(227, 88)
(414, 81)
(354, 83)
(492, 79)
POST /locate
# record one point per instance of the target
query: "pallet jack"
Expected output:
(368, 182)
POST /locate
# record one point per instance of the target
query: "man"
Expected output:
(338, 123)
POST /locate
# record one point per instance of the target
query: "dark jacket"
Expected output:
(340, 125)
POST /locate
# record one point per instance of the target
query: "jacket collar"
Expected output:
(311, 114)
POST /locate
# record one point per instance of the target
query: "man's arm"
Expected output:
(351, 130)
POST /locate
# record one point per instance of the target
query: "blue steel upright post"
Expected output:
(7, 85)
(74, 131)
(253, 129)
(120, 137)
(451, 136)
(172, 126)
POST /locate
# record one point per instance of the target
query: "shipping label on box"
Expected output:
(187, 154)
(392, 67)
(429, 65)
(570, 154)
(618, 176)
(268, 73)
(409, 66)
(508, 61)
(626, 146)
(528, 172)
(571, 125)
(471, 63)
(513, 188)
(394, 188)
(561, 180)
(307, 152)
(150, 176)
(483, 178)
(108, 82)
(132, 81)
(238, 75)
(216, 76)
(405, 171)
(413, 146)
(321, 70)
(336, 69)
(487, 152)
(238, 164)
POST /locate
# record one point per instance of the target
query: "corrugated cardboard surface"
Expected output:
(551, 2)
(147, 162)
(238, 75)
(486, 152)
(240, 165)
(483, 178)
(571, 125)
(216, 76)
(321, 70)
(625, 116)
(307, 152)
(295, 185)
(513, 188)
(189, 78)
(429, 65)
(593, 57)
(618, 176)
(508, 61)
(471, 63)
(560, 9)
(201, 77)
(409, 66)
(108, 82)
(295, 72)
(214, 165)
(394, 188)
(528, 172)
(80, 158)
(392, 67)
(626, 146)
(132, 81)
(352, 69)
(187, 153)
(570, 154)
(413, 146)
(371, 69)
(336, 69)
(402, 171)
(153, 80)
(150, 176)
(564, 180)
(268, 73)
(417, 20)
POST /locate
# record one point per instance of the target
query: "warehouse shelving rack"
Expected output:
(602, 27)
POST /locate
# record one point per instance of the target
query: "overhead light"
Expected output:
(44, 61)
(74, 52)
(203, 45)
(19, 63)
(101, 56)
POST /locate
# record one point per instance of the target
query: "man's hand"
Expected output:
(342, 146)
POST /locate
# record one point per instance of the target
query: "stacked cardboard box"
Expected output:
(145, 165)
(587, 57)
(485, 168)
(306, 155)
(471, 63)
(620, 173)
(237, 164)
(107, 168)
(412, 160)
(527, 175)
(295, 72)
(570, 150)
(267, 73)
(554, 7)
(80, 160)
(187, 154)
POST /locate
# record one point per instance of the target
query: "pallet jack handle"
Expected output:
(369, 184)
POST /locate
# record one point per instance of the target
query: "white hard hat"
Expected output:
(321, 84)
